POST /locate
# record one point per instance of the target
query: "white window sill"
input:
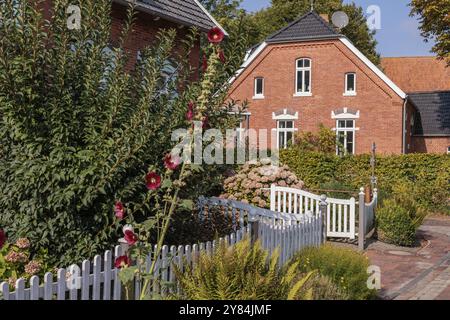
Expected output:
(349, 94)
(259, 97)
(305, 94)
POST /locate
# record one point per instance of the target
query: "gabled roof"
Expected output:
(307, 27)
(434, 113)
(311, 27)
(418, 74)
(184, 12)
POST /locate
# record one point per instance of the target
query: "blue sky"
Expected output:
(399, 34)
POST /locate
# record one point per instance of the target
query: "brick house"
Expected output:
(154, 15)
(308, 74)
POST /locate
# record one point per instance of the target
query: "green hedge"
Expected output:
(429, 173)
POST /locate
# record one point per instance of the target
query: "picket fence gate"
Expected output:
(341, 213)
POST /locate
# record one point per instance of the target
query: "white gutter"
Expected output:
(404, 125)
(211, 17)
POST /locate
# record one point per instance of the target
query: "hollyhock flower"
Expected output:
(119, 210)
(122, 262)
(2, 238)
(190, 112)
(222, 57)
(130, 237)
(205, 64)
(23, 243)
(171, 162)
(153, 181)
(215, 35)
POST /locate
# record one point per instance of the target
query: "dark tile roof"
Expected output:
(434, 113)
(186, 12)
(310, 26)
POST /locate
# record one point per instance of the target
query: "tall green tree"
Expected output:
(434, 18)
(282, 12)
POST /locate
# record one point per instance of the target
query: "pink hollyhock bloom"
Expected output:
(119, 210)
(122, 262)
(153, 181)
(130, 237)
(2, 238)
(172, 162)
(215, 35)
(222, 57)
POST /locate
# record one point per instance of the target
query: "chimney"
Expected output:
(324, 16)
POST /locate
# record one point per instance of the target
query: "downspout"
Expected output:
(404, 125)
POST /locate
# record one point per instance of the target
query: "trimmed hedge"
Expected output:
(429, 173)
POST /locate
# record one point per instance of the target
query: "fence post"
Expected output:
(254, 231)
(273, 197)
(323, 213)
(361, 231)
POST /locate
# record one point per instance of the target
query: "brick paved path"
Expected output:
(421, 273)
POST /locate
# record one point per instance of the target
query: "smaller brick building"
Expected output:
(308, 74)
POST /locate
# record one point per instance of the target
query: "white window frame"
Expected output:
(448, 150)
(347, 92)
(297, 70)
(354, 129)
(285, 132)
(255, 94)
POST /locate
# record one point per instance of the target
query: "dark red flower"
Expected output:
(205, 122)
(153, 181)
(205, 64)
(215, 35)
(171, 162)
(190, 112)
(122, 262)
(119, 210)
(130, 237)
(222, 56)
(2, 238)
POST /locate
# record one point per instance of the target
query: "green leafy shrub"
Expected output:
(323, 288)
(242, 272)
(346, 268)
(430, 173)
(323, 141)
(79, 129)
(252, 182)
(400, 216)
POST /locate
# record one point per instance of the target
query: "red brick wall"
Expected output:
(431, 144)
(381, 109)
(144, 31)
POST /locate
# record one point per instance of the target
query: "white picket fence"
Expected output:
(341, 213)
(290, 239)
(98, 280)
(287, 231)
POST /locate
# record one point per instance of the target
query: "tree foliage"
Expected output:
(434, 21)
(79, 130)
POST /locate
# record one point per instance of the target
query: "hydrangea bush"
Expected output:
(252, 183)
(17, 261)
